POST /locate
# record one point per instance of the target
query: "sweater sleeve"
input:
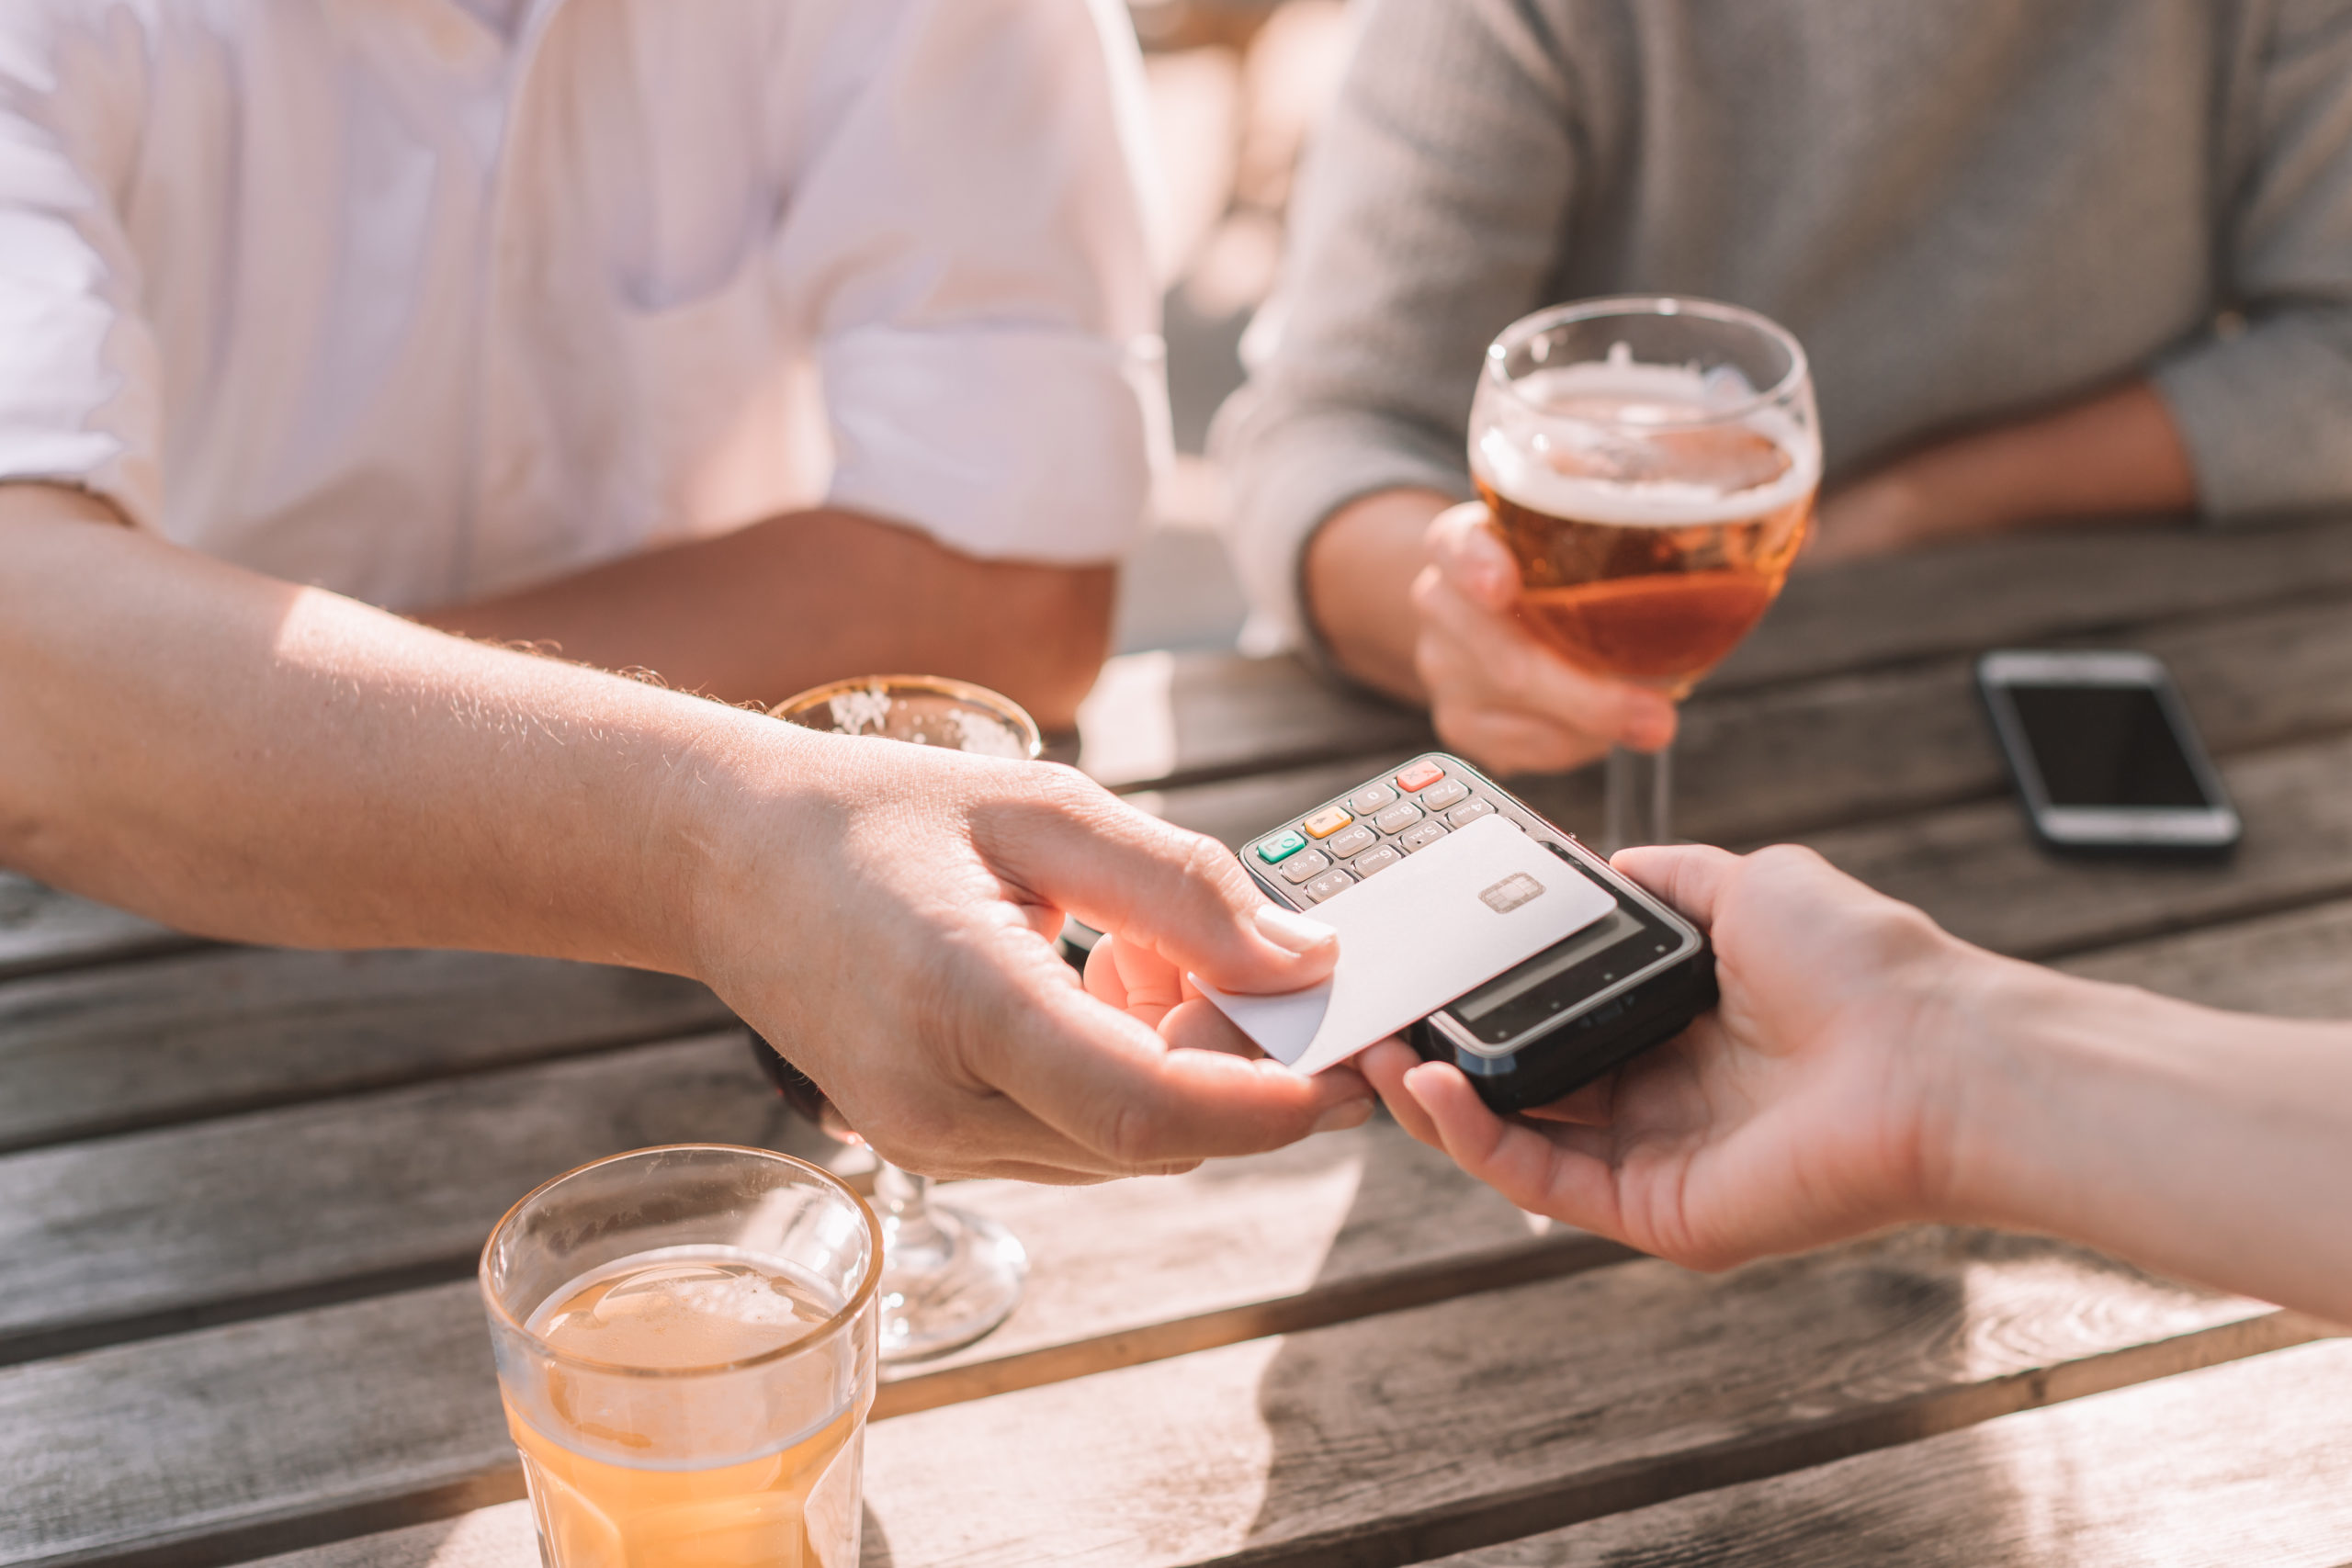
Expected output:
(1430, 218)
(2265, 411)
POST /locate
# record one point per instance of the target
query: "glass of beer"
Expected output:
(1651, 462)
(949, 1274)
(684, 1340)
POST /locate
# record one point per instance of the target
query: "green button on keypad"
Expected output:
(1281, 847)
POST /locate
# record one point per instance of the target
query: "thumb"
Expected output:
(1462, 544)
(1691, 878)
(1152, 885)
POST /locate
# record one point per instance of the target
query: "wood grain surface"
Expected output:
(2031, 588)
(1442, 1426)
(2228, 1467)
(1801, 757)
(1494, 1416)
(111, 1239)
(232, 1029)
(1166, 720)
(1976, 872)
(41, 930)
(2294, 965)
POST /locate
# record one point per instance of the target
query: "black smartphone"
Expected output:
(1547, 1026)
(2104, 754)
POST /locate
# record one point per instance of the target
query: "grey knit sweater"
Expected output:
(1964, 208)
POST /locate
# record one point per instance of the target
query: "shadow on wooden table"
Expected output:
(1493, 1418)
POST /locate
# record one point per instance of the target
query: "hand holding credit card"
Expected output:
(1451, 917)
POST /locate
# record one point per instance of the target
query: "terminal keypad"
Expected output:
(1329, 849)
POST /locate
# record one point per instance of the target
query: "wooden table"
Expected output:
(242, 1191)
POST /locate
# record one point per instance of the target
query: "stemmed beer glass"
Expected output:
(1652, 463)
(948, 1275)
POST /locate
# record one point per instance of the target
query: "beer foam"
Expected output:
(1592, 416)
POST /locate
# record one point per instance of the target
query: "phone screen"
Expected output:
(2105, 746)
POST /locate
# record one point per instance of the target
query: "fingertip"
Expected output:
(1298, 935)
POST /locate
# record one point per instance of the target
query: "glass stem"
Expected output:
(1639, 808)
(903, 1201)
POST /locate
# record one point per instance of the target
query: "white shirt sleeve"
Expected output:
(967, 241)
(78, 372)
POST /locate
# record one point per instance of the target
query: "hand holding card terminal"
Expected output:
(1542, 1027)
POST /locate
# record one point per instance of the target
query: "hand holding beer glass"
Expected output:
(1651, 464)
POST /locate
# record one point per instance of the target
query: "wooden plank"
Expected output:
(2296, 965)
(1332, 1228)
(122, 1238)
(1161, 720)
(1762, 764)
(2033, 588)
(228, 1030)
(157, 1232)
(500, 1535)
(1974, 869)
(2244, 1463)
(1164, 718)
(43, 930)
(1490, 1417)
(1455, 1425)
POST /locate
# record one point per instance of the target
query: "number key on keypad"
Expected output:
(1398, 818)
(1422, 837)
(1298, 868)
(1438, 797)
(1469, 811)
(1355, 840)
(1370, 798)
(1331, 882)
(1380, 859)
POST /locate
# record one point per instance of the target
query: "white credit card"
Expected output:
(1413, 938)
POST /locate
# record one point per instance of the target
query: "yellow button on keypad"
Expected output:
(1326, 823)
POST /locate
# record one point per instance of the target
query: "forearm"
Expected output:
(1359, 573)
(2114, 455)
(243, 757)
(772, 609)
(2208, 1146)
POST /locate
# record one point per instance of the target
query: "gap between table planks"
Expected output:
(1450, 1424)
(2249, 1462)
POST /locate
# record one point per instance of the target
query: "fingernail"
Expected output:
(1339, 1118)
(1292, 932)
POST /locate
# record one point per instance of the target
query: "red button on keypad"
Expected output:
(1420, 776)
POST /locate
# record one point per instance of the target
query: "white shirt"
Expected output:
(370, 294)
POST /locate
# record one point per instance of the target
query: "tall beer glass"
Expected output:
(1652, 463)
(685, 1348)
(949, 1274)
